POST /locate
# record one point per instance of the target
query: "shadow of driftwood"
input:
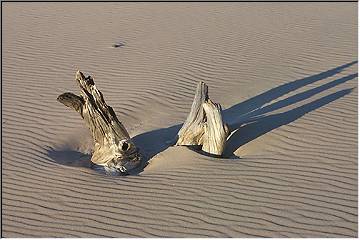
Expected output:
(69, 157)
(155, 141)
(261, 125)
(247, 120)
(241, 111)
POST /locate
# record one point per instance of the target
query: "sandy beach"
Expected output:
(284, 73)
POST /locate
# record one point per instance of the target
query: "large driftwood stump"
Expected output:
(204, 125)
(113, 147)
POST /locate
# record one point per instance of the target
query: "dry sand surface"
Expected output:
(285, 74)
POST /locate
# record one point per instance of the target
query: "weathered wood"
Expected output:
(192, 131)
(215, 130)
(204, 125)
(113, 147)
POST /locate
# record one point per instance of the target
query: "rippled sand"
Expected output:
(285, 74)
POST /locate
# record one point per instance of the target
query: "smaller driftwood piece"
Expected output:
(204, 125)
(114, 148)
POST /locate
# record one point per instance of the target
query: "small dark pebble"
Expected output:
(116, 45)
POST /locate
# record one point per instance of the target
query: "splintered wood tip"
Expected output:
(79, 75)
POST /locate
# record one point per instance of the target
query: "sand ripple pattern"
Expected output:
(285, 73)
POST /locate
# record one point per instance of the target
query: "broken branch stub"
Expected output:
(192, 131)
(215, 131)
(113, 147)
(204, 125)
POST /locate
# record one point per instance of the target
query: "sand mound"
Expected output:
(286, 75)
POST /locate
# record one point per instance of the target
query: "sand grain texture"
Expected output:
(285, 74)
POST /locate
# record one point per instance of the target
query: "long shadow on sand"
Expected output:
(70, 157)
(248, 120)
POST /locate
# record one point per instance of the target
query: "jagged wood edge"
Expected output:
(112, 141)
(204, 125)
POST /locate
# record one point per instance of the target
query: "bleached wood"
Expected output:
(113, 147)
(215, 130)
(204, 125)
(192, 130)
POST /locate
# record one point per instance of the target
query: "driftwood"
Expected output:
(204, 125)
(113, 147)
